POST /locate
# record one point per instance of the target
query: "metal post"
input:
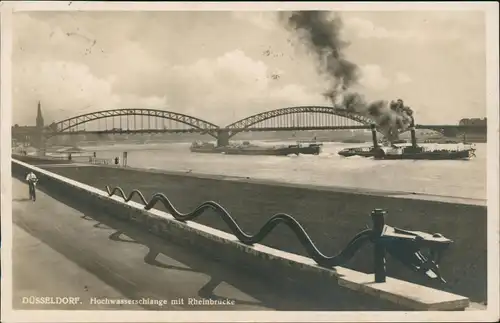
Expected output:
(379, 250)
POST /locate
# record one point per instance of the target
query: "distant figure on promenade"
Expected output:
(32, 180)
(117, 160)
(69, 157)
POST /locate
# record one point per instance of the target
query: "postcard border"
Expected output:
(492, 311)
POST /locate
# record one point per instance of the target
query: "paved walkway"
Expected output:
(60, 252)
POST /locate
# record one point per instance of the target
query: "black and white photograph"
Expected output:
(268, 162)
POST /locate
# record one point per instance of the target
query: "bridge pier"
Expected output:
(222, 138)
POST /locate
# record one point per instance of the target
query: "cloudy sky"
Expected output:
(220, 65)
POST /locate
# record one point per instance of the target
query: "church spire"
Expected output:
(39, 117)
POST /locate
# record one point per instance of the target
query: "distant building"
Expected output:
(31, 134)
(473, 122)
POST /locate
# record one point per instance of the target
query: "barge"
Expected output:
(248, 149)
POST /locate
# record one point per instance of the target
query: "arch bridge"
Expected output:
(118, 121)
(122, 121)
(327, 118)
(300, 118)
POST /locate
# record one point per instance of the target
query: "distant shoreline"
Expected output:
(344, 141)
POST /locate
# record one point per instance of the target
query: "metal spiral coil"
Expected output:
(347, 253)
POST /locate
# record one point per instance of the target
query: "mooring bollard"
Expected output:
(378, 216)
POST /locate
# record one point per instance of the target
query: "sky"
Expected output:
(224, 66)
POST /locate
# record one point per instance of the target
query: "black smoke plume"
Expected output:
(320, 32)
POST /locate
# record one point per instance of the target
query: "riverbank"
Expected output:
(331, 217)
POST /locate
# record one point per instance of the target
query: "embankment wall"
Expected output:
(331, 216)
(281, 269)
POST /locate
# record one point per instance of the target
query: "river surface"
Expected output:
(457, 178)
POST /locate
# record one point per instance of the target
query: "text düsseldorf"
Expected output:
(50, 300)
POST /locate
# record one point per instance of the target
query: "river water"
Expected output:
(456, 178)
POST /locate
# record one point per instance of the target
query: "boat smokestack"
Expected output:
(374, 135)
(413, 135)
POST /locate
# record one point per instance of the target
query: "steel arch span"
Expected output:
(199, 124)
(248, 122)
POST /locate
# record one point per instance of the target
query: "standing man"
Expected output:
(32, 180)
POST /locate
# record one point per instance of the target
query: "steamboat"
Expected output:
(413, 151)
(248, 149)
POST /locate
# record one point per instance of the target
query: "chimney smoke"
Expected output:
(320, 32)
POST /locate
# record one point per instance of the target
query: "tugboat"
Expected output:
(417, 152)
(410, 152)
(308, 147)
(362, 151)
(248, 149)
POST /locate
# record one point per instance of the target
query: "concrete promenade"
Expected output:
(59, 251)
